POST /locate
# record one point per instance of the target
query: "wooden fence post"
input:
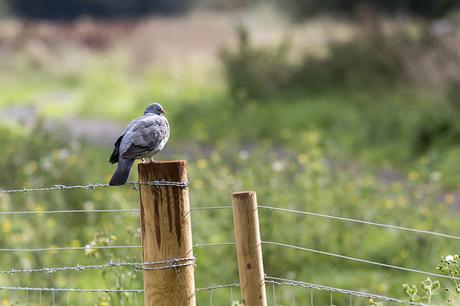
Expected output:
(249, 248)
(166, 234)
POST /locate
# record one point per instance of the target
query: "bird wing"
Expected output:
(116, 151)
(144, 135)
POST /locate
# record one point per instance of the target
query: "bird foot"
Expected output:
(149, 160)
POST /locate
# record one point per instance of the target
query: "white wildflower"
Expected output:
(278, 166)
(244, 154)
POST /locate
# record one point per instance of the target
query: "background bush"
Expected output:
(263, 72)
(65, 9)
(426, 9)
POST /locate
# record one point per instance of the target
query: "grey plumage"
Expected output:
(143, 138)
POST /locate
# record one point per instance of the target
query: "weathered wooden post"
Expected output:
(249, 248)
(166, 234)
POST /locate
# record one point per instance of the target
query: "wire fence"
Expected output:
(87, 211)
(181, 262)
(132, 185)
(388, 226)
(147, 265)
(330, 291)
(269, 280)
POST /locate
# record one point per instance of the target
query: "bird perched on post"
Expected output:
(143, 138)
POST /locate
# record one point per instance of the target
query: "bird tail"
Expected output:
(122, 173)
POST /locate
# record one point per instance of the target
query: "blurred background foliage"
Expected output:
(347, 108)
(116, 8)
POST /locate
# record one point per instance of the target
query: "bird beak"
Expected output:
(163, 112)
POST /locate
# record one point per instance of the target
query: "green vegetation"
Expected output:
(346, 133)
(307, 180)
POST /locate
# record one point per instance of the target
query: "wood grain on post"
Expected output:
(249, 248)
(166, 234)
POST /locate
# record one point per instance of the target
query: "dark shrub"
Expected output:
(256, 72)
(253, 72)
(426, 8)
(356, 64)
(65, 9)
(437, 125)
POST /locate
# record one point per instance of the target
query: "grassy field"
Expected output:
(343, 152)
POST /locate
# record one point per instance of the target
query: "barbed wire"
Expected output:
(133, 185)
(136, 210)
(361, 222)
(68, 211)
(282, 281)
(72, 248)
(176, 263)
(185, 184)
(138, 266)
(173, 263)
(52, 270)
(214, 287)
(359, 260)
(72, 290)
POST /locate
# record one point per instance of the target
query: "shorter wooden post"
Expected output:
(166, 234)
(249, 248)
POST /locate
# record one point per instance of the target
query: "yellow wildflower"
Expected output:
(198, 184)
(311, 137)
(53, 247)
(75, 243)
(302, 158)
(51, 222)
(413, 175)
(7, 226)
(389, 204)
(449, 198)
(286, 134)
(202, 163)
(402, 201)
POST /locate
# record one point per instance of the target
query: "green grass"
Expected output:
(319, 152)
(309, 179)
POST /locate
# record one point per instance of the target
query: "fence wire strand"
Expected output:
(133, 185)
(89, 247)
(358, 259)
(180, 262)
(268, 279)
(199, 245)
(71, 211)
(210, 288)
(360, 221)
(138, 266)
(68, 211)
(282, 281)
(11, 288)
(71, 290)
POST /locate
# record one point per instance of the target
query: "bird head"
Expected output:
(154, 108)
